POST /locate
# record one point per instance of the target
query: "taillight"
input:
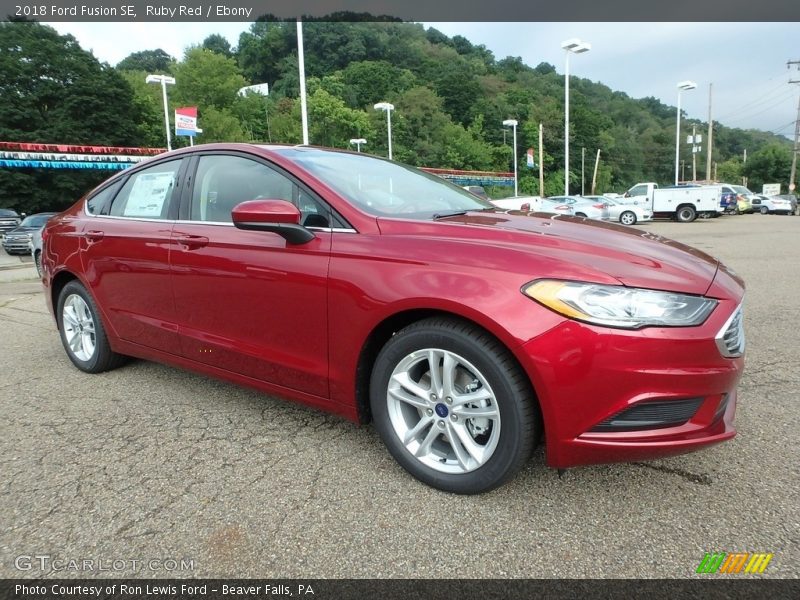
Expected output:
(525, 207)
(562, 207)
(600, 206)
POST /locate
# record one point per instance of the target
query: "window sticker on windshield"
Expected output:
(148, 194)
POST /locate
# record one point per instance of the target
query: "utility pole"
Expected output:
(541, 162)
(694, 153)
(583, 179)
(710, 135)
(683, 164)
(744, 162)
(596, 164)
(796, 148)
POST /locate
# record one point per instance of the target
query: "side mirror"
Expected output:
(626, 195)
(277, 216)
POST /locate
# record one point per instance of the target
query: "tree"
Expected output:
(368, 82)
(730, 171)
(55, 92)
(219, 44)
(333, 124)
(207, 79)
(771, 164)
(151, 61)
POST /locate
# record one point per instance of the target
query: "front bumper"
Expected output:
(612, 395)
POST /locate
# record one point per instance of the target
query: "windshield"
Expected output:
(35, 221)
(740, 189)
(383, 188)
(4, 212)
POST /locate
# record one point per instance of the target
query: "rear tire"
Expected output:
(686, 214)
(82, 332)
(418, 394)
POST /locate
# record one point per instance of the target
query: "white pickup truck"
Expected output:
(682, 203)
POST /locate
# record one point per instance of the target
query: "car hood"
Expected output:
(579, 247)
(21, 230)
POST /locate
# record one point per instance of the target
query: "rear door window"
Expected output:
(147, 193)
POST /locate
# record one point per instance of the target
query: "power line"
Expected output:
(777, 101)
(763, 98)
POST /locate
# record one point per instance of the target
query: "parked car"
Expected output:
(739, 199)
(379, 292)
(477, 190)
(533, 204)
(791, 198)
(773, 205)
(9, 219)
(35, 248)
(16, 241)
(627, 214)
(584, 207)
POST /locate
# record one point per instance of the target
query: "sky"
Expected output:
(746, 62)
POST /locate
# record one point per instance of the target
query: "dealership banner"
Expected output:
(186, 121)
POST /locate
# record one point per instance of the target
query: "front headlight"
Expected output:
(619, 306)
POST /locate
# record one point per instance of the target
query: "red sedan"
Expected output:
(376, 291)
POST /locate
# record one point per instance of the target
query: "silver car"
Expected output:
(766, 205)
(533, 204)
(585, 207)
(627, 214)
(35, 245)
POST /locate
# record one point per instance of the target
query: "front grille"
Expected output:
(730, 340)
(651, 415)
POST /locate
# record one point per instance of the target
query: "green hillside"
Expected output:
(450, 96)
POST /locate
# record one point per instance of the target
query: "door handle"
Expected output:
(192, 241)
(94, 236)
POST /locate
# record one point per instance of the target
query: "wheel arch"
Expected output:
(60, 279)
(393, 323)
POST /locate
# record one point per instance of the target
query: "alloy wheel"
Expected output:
(443, 411)
(79, 328)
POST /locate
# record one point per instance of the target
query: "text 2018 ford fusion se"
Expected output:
(376, 291)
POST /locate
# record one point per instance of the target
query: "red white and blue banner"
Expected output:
(35, 155)
(529, 158)
(186, 121)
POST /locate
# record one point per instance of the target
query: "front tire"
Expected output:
(37, 260)
(453, 407)
(764, 210)
(628, 218)
(82, 332)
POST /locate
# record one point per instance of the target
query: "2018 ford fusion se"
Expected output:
(373, 290)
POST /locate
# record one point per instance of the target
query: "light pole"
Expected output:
(388, 108)
(163, 80)
(513, 124)
(683, 85)
(571, 46)
(357, 143)
(301, 68)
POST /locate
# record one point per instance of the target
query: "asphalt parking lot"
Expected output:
(150, 462)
